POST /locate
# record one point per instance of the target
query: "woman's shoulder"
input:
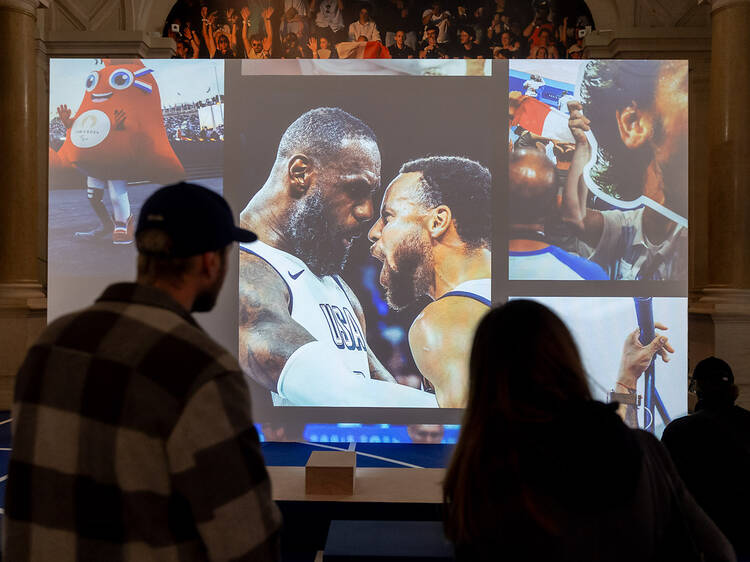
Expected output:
(648, 442)
(657, 464)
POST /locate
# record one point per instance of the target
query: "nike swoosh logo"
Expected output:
(295, 275)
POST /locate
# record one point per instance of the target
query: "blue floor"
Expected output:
(389, 455)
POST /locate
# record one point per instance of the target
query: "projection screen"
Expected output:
(385, 195)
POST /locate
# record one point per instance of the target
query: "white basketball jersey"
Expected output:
(478, 289)
(320, 305)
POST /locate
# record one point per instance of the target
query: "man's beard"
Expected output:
(206, 300)
(315, 239)
(415, 274)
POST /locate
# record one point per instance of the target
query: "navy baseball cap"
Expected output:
(713, 370)
(195, 218)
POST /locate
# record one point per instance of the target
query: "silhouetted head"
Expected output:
(525, 378)
(713, 382)
(524, 366)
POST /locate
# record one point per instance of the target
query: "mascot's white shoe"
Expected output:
(124, 232)
(98, 233)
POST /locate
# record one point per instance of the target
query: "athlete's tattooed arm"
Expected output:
(268, 334)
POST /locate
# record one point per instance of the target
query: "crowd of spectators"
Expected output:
(178, 107)
(184, 127)
(472, 29)
(56, 133)
(187, 128)
(181, 122)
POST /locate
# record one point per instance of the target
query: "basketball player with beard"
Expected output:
(638, 111)
(302, 329)
(433, 237)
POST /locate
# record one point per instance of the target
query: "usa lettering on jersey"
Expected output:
(345, 329)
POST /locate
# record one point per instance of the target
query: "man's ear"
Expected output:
(206, 263)
(635, 125)
(438, 221)
(299, 173)
(210, 263)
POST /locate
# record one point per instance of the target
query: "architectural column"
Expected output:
(729, 138)
(18, 160)
(724, 306)
(21, 297)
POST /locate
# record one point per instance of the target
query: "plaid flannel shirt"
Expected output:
(133, 440)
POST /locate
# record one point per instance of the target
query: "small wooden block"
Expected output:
(330, 472)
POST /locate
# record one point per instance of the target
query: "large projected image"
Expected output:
(119, 129)
(598, 170)
(378, 193)
(373, 263)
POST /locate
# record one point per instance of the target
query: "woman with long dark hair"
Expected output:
(543, 472)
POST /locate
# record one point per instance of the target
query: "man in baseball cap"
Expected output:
(711, 450)
(712, 372)
(183, 233)
(196, 219)
(128, 415)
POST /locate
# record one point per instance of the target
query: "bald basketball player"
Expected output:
(302, 330)
(532, 200)
(433, 237)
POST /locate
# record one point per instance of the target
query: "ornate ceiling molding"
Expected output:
(720, 4)
(115, 44)
(27, 7)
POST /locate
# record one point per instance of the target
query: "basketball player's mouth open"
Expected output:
(98, 98)
(384, 277)
(375, 253)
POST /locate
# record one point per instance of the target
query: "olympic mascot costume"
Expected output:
(117, 135)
